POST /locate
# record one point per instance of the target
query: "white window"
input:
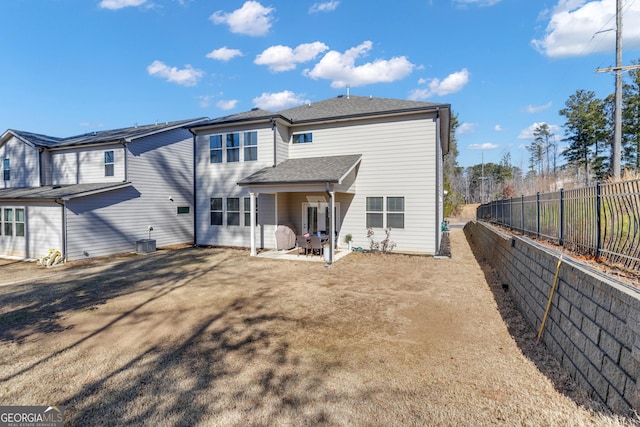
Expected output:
(375, 215)
(385, 215)
(109, 161)
(250, 146)
(215, 149)
(19, 222)
(302, 138)
(233, 147)
(6, 169)
(395, 212)
(216, 211)
(8, 221)
(233, 211)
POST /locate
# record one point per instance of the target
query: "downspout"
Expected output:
(63, 205)
(274, 127)
(195, 189)
(126, 166)
(41, 176)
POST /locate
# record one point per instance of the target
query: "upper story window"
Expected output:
(250, 146)
(233, 147)
(302, 138)
(109, 161)
(6, 169)
(215, 148)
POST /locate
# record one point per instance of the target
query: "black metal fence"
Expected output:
(602, 220)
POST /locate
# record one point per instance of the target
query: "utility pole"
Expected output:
(619, 68)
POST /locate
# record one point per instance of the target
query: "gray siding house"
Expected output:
(338, 166)
(96, 194)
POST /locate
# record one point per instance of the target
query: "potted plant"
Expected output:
(347, 239)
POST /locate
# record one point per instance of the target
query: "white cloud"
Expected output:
(484, 146)
(227, 104)
(283, 58)
(573, 24)
(466, 127)
(251, 19)
(119, 4)
(329, 6)
(341, 68)
(279, 101)
(527, 133)
(537, 108)
(497, 128)
(188, 76)
(224, 54)
(451, 84)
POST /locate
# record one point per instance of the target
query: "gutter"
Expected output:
(194, 202)
(439, 201)
(274, 128)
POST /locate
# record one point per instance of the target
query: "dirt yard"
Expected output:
(215, 337)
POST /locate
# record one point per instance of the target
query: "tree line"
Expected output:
(579, 157)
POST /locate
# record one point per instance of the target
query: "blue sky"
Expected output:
(505, 66)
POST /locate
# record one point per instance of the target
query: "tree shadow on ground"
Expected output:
(38, 306)
(233, 369)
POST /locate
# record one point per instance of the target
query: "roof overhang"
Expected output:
(312, 174)
(59, 192)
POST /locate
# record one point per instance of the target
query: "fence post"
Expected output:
(511, 213)
(522, 213)
(598, 219)
(561, 237)
(538, 215)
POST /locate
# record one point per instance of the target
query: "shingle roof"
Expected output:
(51, 192)
(254, 114)
(104, 136)
(306, 170)
(353, 106)
(332, 108)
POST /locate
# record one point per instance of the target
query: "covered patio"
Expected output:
(306, 190)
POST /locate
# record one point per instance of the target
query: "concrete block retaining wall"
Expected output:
(593, 325)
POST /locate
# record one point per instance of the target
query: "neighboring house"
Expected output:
(96, 194)
(375, 163)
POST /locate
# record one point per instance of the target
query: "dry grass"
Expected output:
(214, 337)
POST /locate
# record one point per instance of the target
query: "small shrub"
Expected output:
(385, 245)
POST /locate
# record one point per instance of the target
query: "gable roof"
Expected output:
(307, 170)
(64, 192)
(100, 137)
(341, 107)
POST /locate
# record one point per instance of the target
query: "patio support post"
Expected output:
(252, 202)
(332, 224)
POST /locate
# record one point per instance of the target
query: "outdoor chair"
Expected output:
(316, 245)
(303, 244)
